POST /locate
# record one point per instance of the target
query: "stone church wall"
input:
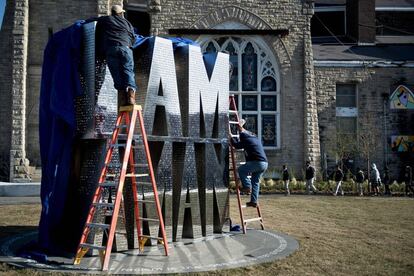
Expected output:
(374, 85)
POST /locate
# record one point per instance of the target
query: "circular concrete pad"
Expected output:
(228, 250)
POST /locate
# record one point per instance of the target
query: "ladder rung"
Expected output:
(108, 184)
(103, 204)
(144, 183)
(149, 219)
(234, 122)
(143, 165)
(92, 246)
(252, 219)
(235, 135)
(152, 237)
(111, 175)
(98, 225)
(123, 145)
(232, 111)
(146, 201)
(136, 175)
(117, 145)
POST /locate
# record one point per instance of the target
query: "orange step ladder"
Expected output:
(234, 133)
(107, 183)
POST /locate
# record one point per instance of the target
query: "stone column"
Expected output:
(154, 7)
(19, 165)
(103, 7)
(311, 128)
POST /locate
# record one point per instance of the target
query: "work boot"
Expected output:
(122, 98)
(130, 96)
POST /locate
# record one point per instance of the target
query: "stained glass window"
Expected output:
(251, 123)
(269, 130)
(234, 60)
(254, 81)
(269, 103)
(249, 68)
(249, 102)
(268, 84)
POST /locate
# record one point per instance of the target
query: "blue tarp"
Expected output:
(57, 124)
(59, 87)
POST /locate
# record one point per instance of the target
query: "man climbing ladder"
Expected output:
(256, 164)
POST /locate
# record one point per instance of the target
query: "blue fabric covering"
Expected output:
(60, 85)
(177, 41)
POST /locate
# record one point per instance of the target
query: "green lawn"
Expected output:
(337, 235)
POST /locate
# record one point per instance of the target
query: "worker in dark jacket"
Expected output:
(408, 179)
(359, 181)
(285, 176)
(310, 178)
(114, 39)
(339, 176)
(256, 162)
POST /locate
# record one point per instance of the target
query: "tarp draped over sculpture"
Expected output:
(60, 85)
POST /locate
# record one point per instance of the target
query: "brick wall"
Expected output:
(373, 84)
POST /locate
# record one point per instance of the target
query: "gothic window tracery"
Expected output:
(254, 81)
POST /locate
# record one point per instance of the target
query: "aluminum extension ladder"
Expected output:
(234, 133)
(107, 183)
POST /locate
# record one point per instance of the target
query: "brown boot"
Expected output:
(122, 98)
(130, 96)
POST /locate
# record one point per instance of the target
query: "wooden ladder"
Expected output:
(234, 133)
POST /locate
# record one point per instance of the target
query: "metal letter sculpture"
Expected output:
(185, 103)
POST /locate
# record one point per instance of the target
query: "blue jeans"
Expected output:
(121, 65)
(256, 169)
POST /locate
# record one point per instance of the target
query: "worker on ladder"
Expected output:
(114, 41)
(256, 162)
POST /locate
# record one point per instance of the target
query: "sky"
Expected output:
(2, 6)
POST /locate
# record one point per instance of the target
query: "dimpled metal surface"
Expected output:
(186, 119)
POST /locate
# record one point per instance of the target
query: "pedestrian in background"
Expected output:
(359, 181)
(285, 175)
(386, 181)
(310, 177)
(408, 179)
(339, 176)
(375, 179)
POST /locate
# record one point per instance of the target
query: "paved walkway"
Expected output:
(228, 250)
(5, 200)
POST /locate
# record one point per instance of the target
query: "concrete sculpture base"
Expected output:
(219, 251)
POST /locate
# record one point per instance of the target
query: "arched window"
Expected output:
(254, 82)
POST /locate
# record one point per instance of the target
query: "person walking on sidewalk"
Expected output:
(408, 179)
(386, 181)
(339, 176)
(359, 181)
(256, 162)
(310, 177)
(285, 176)
(114, 40)
(375, 179)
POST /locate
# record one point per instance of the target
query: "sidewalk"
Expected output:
(19, 200)
(29, 189)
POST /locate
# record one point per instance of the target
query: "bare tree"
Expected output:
(344, 147)
(369, 137)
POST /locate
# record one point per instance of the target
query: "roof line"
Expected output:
(385, 8)
(357, 63)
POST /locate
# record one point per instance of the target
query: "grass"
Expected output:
(337, 236)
